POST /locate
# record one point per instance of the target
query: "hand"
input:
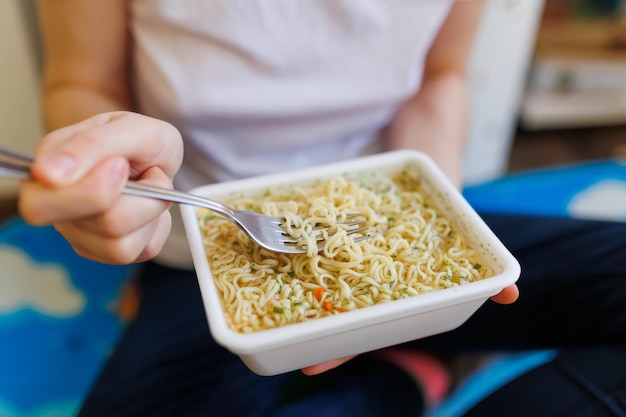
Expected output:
(508, 295)
(326, 366)
(79, 173)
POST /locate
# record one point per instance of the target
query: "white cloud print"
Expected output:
(45, 288)
(604, 200)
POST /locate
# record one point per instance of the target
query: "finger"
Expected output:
(96, 193)
(326, 366)
(140, 245)
(133, 230)
(66, 155)
(508, 295)
(160, 235)
(129, 213)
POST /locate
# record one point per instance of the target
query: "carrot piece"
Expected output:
(328, 306)
(318, 293)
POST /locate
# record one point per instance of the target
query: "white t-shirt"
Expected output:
(259, 86)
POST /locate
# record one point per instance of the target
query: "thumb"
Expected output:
(68, 154)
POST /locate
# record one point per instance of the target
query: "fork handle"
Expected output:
(167, 194)
(17, 166)
(14, 165)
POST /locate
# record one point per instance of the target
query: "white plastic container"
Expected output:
(295, 346)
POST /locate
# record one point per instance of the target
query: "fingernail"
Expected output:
(59, 166)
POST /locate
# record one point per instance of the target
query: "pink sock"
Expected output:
(427, 371)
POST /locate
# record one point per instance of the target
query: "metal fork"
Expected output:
(266, 231)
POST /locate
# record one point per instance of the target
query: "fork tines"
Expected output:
(351, 223)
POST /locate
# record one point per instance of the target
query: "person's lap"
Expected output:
(579, 382)
(572, 294)
(572, 299)
(572, 288)
(167, 364)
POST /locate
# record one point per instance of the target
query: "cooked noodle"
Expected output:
(412, 249)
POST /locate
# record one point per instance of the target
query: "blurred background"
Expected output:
(573, 106)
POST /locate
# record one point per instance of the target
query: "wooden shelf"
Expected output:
(578, 75)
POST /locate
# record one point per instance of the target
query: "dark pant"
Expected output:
(573, 298)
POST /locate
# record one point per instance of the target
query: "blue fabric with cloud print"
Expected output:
(57, 321)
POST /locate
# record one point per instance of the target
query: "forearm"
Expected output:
(86, 51)
(435, 122)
